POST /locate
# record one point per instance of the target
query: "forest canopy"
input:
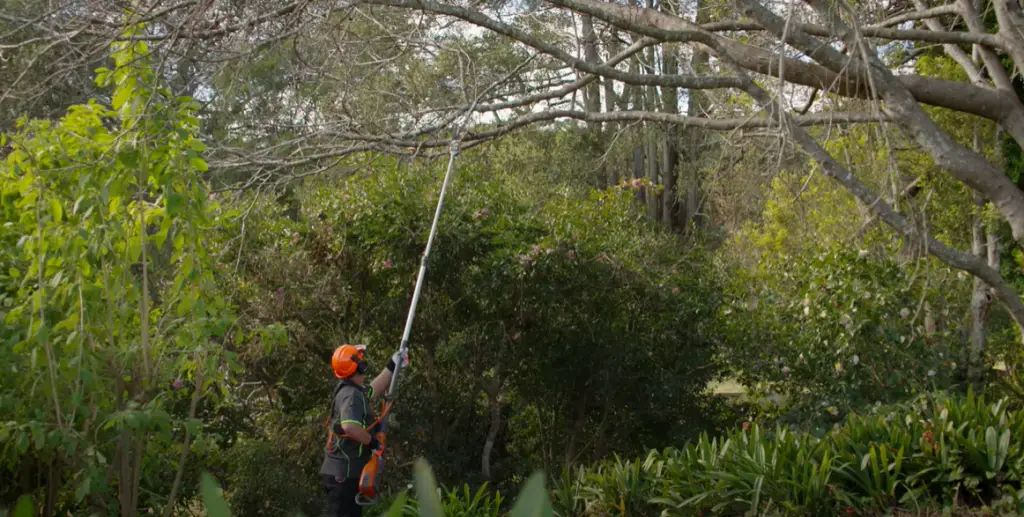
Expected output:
(682, 237)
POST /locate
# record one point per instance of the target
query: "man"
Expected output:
(349, 442)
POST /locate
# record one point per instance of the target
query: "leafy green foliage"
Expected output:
(111, 316)
(566, 313)
(214, 502)
(931, 453)
(836, 330)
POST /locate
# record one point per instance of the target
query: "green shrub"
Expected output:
(935, 454)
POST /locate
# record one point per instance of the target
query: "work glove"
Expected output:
(398, 356)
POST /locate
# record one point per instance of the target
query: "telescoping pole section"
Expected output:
(369, 479)
(404, 347)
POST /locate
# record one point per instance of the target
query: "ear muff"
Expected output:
(362, 365)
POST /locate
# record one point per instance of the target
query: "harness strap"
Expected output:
(385, 409)
(330, 416)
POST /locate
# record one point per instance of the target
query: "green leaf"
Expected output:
(14, 273)
(174, 203)
(398, 507)
(214, 502)
(533, 499)
(426, 490)
(197, 145)
(161, 236)
(129, 157)
(83, 489)
(24, 507)
(135, 247)
(199, 164)
(56, 210)
(121, 96)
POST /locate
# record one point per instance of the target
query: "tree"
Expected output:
(855, 75)
(111, 317)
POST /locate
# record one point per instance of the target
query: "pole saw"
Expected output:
(369, 479)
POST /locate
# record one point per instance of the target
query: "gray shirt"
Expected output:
(344, 457)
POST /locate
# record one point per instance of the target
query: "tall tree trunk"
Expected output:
(670, 98)
(669, 197)
(592, 101)
(592, 97)
(610, 101)
(653, 198)
(52, 484)
(578, 421)
(635, 98)
(601, 442)
(697, 106)
(494, 401)
(980, 298)
(638, 171)
(651, 143)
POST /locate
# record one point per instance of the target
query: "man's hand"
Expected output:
(374, 443)
(380, 384)
(398, 358)
(357, 433)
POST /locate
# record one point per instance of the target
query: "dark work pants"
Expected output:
(341, 497)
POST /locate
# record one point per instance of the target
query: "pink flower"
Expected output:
(280, 292)
(176, 384)
(516, 336)
(483, 212)
(212, 196)
(675, 290)
(387, 264)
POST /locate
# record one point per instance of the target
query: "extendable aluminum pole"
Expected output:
(404, 347)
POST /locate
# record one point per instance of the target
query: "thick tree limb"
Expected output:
(992, 64)
(956, 53)
(949, 256)
(927, 36)
(920, 14)
(1011, 30)
(722, 124)
(481, 20)
(965, 165)
(957, 96)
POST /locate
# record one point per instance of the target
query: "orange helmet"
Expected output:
(348, 360)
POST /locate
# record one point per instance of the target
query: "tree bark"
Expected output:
(963, 164)
(967, 98)
(494, 401)
(980, 297)
(670, 160)
(651, 104)
(593, 91)
(653, 198)
(578, 421)
(611, 173)
(949, 256)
